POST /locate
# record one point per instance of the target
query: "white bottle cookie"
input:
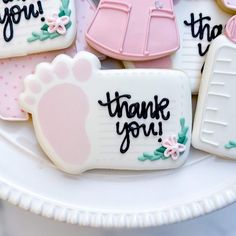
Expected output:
(214, 125)
(88, 118)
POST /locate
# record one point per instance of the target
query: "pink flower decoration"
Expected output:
(173, 148)
(57, 23)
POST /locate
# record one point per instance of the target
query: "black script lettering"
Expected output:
(133, 129)
(13, 15)
(7, 1)
(155, 110)
(119, 107)
(200, 28)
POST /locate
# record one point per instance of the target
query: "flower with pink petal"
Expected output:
(173, 148)
(57, 23)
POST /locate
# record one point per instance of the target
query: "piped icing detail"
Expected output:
(56, 26)
(230, 145)
(230, 29)
(171, 146)
(107, 119)
(143, 31)
(57, 23)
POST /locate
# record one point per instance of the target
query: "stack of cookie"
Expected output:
(138, 118)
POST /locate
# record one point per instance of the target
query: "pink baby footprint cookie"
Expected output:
(88, 118)
(59, 108)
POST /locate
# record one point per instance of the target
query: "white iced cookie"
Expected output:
(214, 126)
(30, 26)
(199, 22)
(88, 118)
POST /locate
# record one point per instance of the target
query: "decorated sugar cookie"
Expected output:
(199, 22)
(228, 5)
(87, 118)
(137, 31)
(29, 26)
(214, 126)
(14, 70)
(12, 74)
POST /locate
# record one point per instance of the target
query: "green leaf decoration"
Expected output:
(68, 25)
(61, 13)
(65, 3)
(44, 34)
(35, 34)
(44, 27)
(230, 145)
(158, 154)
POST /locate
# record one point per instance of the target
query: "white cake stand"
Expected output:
(110, 198)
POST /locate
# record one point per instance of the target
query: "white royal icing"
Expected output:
(29, 26)
(214, 126)
(69, 103)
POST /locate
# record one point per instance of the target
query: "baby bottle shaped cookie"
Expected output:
(134, 30)
(228, 5)
(215, 127)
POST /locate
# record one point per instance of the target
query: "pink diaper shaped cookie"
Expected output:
(134, 29)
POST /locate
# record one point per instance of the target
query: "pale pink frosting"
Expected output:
(57, 24)
(230, 29)
(173, 148)
(230, 4)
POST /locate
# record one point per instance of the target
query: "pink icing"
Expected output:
(62, 118)
(57, 24)
(134, 30)
(14, 70)
(173, 148)
(45, 76)
(230, 29)
(61, 70)
(230, 4)
(35, 87)
(82, 70)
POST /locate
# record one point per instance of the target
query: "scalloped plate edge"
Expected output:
(87, 217)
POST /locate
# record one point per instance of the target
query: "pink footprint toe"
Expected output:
(34, 86)
(61, 70)
(45, 76)
(82, 69)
